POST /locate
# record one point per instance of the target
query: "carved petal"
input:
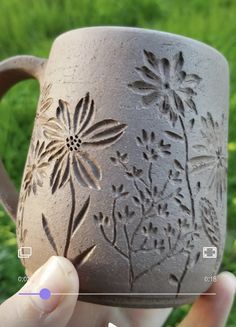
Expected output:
(145, 72)
(191, 81)
(104, 133)
(165, 69)
(84, 114)
(87, 171)
(150, 98)
(202, 162)
(63, 114)
(151, 59)
(45, 104)
(178, 62)
(57, 173)
(142, 87)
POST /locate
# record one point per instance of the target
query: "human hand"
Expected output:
(59, 275)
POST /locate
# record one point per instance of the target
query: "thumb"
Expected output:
(57, 275)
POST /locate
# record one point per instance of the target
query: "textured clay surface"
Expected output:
(126, 172)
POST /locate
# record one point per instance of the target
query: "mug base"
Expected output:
(139, 302)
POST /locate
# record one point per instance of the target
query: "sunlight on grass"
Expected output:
(232, 146)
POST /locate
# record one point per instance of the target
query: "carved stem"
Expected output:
(114, 221)
(165, 185)
(150, 175)
(143, 182)
(186, 168)
(69, 229)
(131, 272)
(141, 219)
(169, 242)
(110, 242)
(183, 275)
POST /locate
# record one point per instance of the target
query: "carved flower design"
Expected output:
(33, 178)
(45, 101)
(35, 169)
(210, 221)
(152, 149)
(165, 83)
(213, 154)
(70, 138)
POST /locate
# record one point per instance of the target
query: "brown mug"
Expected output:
(126, 172)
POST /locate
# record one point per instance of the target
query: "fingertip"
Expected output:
(224, 289)
(69, 270)
(227, 280)
(219, 302)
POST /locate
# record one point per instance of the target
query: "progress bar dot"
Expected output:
(45, 293)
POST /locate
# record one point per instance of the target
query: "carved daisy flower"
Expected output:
(165, 83)
(35, 169)
(213, 154)
(72, 136)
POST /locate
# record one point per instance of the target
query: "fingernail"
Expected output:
(53, 277)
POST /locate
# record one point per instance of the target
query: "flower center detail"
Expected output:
(73, 143)
(167, 86)
(219, 156)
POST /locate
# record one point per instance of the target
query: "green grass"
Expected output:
(29, 27)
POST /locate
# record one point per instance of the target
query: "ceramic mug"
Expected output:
(126, 171)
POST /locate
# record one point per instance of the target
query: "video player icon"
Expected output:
(209, 252)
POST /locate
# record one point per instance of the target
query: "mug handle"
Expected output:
(12, 71)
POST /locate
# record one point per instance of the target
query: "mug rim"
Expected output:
(147, 31)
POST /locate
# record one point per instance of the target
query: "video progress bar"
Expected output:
(133, 294)
(45, 294)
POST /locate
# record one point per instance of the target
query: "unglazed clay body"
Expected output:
(126, 171)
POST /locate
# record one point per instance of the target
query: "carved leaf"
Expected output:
(178, 165)
(173, 280)
(194, 261)
(174, 136)
(185, 209)
(80, 217)
(48, 233)
(83, 257)
(136, 200)
(191, 103)
(210, 221)
(191, 123)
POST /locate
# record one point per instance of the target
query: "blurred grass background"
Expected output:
(29, 27)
